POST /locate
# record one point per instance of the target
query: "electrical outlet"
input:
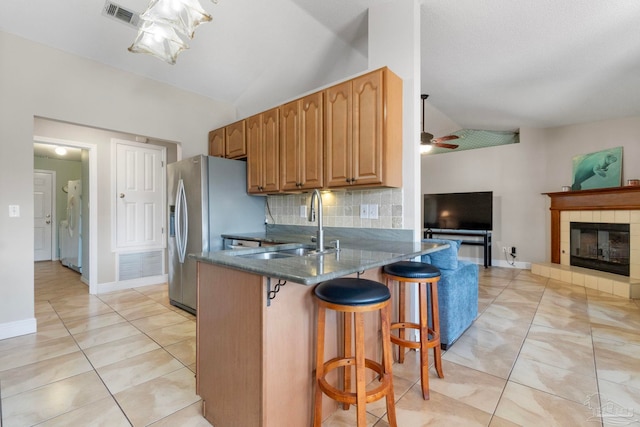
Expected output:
(303, 211)
(373, 211)
(513, 250)
(364, 211)
(504, 249)
(14, 211)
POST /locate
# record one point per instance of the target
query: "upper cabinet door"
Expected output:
(216, 142)
(254, 154)
(271, 150)
(290, 146)
(368, 119)
(236, 144)
(311, 141)
(263, 155)
(338, 134)
(301, 143)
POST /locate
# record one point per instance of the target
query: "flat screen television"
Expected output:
(459, 211)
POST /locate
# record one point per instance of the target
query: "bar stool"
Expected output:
(353, 297)
(422, 274)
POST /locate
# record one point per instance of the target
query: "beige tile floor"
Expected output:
(541, 353)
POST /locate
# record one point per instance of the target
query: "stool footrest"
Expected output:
(431, 342)
(347, 396)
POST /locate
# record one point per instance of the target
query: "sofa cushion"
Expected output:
(445, 259)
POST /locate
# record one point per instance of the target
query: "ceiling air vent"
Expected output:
(119, 13)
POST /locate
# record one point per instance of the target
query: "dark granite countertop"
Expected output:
(354, 255)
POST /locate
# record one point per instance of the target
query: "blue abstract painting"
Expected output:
(601, 169)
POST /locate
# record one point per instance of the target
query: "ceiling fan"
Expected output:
(427, 140)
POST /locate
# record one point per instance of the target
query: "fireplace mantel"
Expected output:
(615, 198)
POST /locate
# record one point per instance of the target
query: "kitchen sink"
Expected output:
(287, 253)
(298, 251)
(266, 255)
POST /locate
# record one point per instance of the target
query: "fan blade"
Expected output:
(443, 145)
(445, 138)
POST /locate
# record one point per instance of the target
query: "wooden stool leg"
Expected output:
(435, 317)
(361, 390)
(401, 319)
(348, 345)
(387, 361)
(317, 408)
(424, 338)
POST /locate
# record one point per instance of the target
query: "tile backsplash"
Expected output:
(340, 208)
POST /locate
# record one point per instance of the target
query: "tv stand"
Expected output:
(485, 242)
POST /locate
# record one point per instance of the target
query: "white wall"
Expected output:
(518, 174)
(394, 41)
(37, 81)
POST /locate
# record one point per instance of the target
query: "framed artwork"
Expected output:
(601, 169)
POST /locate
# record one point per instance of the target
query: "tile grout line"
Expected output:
(95, 370)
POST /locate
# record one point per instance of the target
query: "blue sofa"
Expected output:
(457, 291)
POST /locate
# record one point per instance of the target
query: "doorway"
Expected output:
(79, 163)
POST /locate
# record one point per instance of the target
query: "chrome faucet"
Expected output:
(312, 216)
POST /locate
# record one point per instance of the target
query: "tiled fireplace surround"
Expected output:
(622, 286)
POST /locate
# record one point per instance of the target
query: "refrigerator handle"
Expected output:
(182, 221)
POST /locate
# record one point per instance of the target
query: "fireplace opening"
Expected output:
(600, 246)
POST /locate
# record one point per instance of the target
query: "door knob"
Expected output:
(122, 195)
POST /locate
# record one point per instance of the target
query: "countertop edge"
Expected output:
(280, 269)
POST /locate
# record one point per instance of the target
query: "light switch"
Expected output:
(373, 211)
(14, 211)
(364, 211)
(303, 211)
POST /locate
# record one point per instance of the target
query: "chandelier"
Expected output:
(166, 24)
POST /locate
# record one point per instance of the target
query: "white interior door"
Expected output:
(140, 188)
(43, 215)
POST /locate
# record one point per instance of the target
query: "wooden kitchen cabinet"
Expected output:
(263, 152)
(216, 142)
(255, 357)
(235, 141)
(301, 143)
(363, 131)
(229, 141)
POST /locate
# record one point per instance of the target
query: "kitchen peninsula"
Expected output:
(256, 325)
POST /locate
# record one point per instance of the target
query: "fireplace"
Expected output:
(616, 205)
(600, 246)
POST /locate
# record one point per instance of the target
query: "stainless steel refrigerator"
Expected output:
(207, 197)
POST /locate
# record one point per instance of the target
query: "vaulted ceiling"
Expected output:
(486, 64)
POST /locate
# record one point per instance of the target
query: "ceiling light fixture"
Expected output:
(425, 148)
(163, 24)
(61, 151)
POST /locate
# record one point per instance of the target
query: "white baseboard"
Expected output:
(17, 328)
(133, 283)
(518, 264)
(499, 263)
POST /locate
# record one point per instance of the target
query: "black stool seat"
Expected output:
(352, 291)
(412, 270)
